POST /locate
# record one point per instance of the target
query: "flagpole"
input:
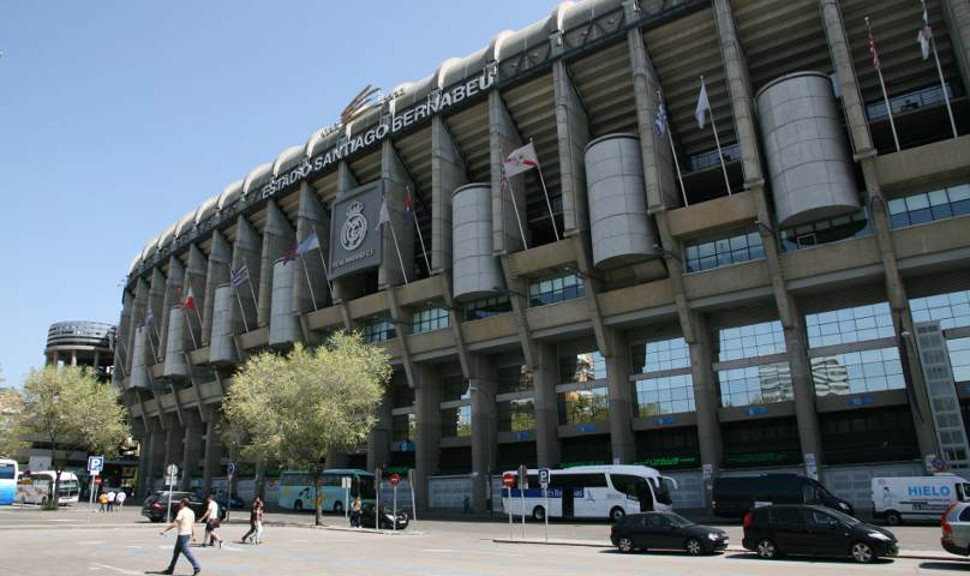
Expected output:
(152, 344)
(939, 70)
(673, 152)
(545, 192)
(874, 53)
(195, 343)
(313, 297)
(398, 248)
(242, 311)
(508, 186)
(717, 141)
(326, 273)
(417, 225)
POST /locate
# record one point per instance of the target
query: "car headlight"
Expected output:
(879, 536)
(713, 536)
(843, 506)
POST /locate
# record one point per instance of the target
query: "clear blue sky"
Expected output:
(118, 117)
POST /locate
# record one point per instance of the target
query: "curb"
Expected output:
(404, 532)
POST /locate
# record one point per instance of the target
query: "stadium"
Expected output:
(713, 237)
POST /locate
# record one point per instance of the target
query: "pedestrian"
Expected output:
(103, 500)
(252, 520)
(211, 519)
(120, 500)
(185, 523)
(259, 524)
(111, 499)
(355, 513)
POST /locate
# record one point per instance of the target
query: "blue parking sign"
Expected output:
(95, 464)
(543, 477)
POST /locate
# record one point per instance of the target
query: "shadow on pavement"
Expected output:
(655, 553)
(953, 565)
(805, 559)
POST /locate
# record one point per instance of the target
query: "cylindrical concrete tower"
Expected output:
(139, 368)
(620, 228)
(283, 325)
(222, 347)
(809, 163)
(476, 270)
(175, 365)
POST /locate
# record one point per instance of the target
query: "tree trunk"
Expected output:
(317, 500)
(54, 495)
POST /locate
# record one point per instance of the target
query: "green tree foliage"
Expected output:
(11, 407)
(70, 409)
(297, 408)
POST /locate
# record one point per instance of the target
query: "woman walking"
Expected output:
(211, 519)
(253, 514)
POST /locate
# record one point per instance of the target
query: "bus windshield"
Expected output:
(662, 488)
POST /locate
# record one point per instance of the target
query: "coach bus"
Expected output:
(608, 492)
(8, 481)
(38, 490)
(297, 491)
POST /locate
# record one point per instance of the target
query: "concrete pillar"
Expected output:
(122, 351)
(156, 300)
(621, 400)
(957, 16)
(503, 138)
(138, 308)
(396, 181)
(545, 378)
(572, 127)
(379, 441)
(174, 436)
(278, 237)
(195, 280)
(73, 357)
(448, 172)
(156, 466)
(247, 251)
(705, 400)
(172, 297)
(349, 287)
(191, 447)
(803, 387)
(484, 383)
(311, 219)
(217, 273)
(213, 450)
(144, 462)
(427, 385)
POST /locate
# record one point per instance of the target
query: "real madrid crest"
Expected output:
(354, 230)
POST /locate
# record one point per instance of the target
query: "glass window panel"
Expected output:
(763, 384)
(917, 202)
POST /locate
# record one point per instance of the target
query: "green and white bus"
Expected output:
(297, 491)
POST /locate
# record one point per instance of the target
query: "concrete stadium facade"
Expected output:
(753, 314)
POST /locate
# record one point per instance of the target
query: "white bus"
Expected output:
(9, 475)
(593, 492)
(38, 490)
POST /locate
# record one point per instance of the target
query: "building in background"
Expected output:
(555, 289)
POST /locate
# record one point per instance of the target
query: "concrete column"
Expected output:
(957, 16)
(156, 464)
(195, 280)
(174, 435)
(545, 378)
(248, 250)
(278, 237)
(484, 382)
(396, 181)
(172, 297)
(217, 273)
(448, 172)
(803, 386)
(191, 447)
(213, 450)
(73, 357)
(156, 300)
(379, 441)
(621, 400)
(144, 462)
(503, 138)
(572, 126)
(705, 399)
(311, 219)
(121, 349)
(427, 385)
(138, 308)
(347, 288)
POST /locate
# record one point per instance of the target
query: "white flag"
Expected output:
(385, 216)
(703, 105)
(521, 160)
(924, 35)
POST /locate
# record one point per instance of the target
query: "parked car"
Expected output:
(155, 506)
(733, 496)
(666, 531)
(200, 493)
(956, 529)
(387, 518)
(772, 531)
(902, 498)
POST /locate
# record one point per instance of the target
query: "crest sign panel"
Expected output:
(355, 237)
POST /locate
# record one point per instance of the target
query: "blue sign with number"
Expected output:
(95, 464)
(587, 428)
(860, 401)
(756, 411)
(666, 421)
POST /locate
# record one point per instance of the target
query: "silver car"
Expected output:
(956, 529)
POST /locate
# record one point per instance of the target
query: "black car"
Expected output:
(733, 496)
(773, 531)
(387, 518)
(667, 531)
(199, 493)
(154, 507)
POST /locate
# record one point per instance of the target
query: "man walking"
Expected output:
(120, 499)
(185, 523)
(111, 499)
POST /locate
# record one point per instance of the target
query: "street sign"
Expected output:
(523, 477)
(508, 480)
(172, 470)
(394, 479)
(95, 464)
(97, 480)
(345, 482)
(230, 469)
(544, 477)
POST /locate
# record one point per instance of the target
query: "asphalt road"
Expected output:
(74, 542)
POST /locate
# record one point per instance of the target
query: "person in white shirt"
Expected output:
(185, 523)
(120, 499)
(111, 499)
(211, 519)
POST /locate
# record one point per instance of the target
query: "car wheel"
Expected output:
(539, 514)
(862, 553)
(338, 507)
(893, 519)
(766, 549)
(694, 547)
(298, 505)
(617, 514)
(625, 545)
(154, 520)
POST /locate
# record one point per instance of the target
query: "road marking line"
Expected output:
(118, 570)
(447, 551)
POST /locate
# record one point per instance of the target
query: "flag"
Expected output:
(661, 120)
(240, 276)
(407, 205)
(521, 160)
(189, 299)
(385, 216)
(311, 242)
(924, 35)
(873, 48)
(703, 105)
(291, 253)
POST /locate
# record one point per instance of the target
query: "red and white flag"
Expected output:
(189, 299)
(873, 48)
(925, 35)
(521, 160)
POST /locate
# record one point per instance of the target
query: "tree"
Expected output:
(297, 408)
(11, 406)
(70, 409)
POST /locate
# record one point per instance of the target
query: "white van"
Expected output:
(916, 497)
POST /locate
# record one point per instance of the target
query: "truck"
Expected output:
(902, 498)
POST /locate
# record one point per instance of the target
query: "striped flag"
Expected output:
(311, 242)
(661, 120)
(407, 205)
(240, 276)
(521, 160)
(873, 48)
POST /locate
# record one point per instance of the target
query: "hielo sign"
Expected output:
(355, 239)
